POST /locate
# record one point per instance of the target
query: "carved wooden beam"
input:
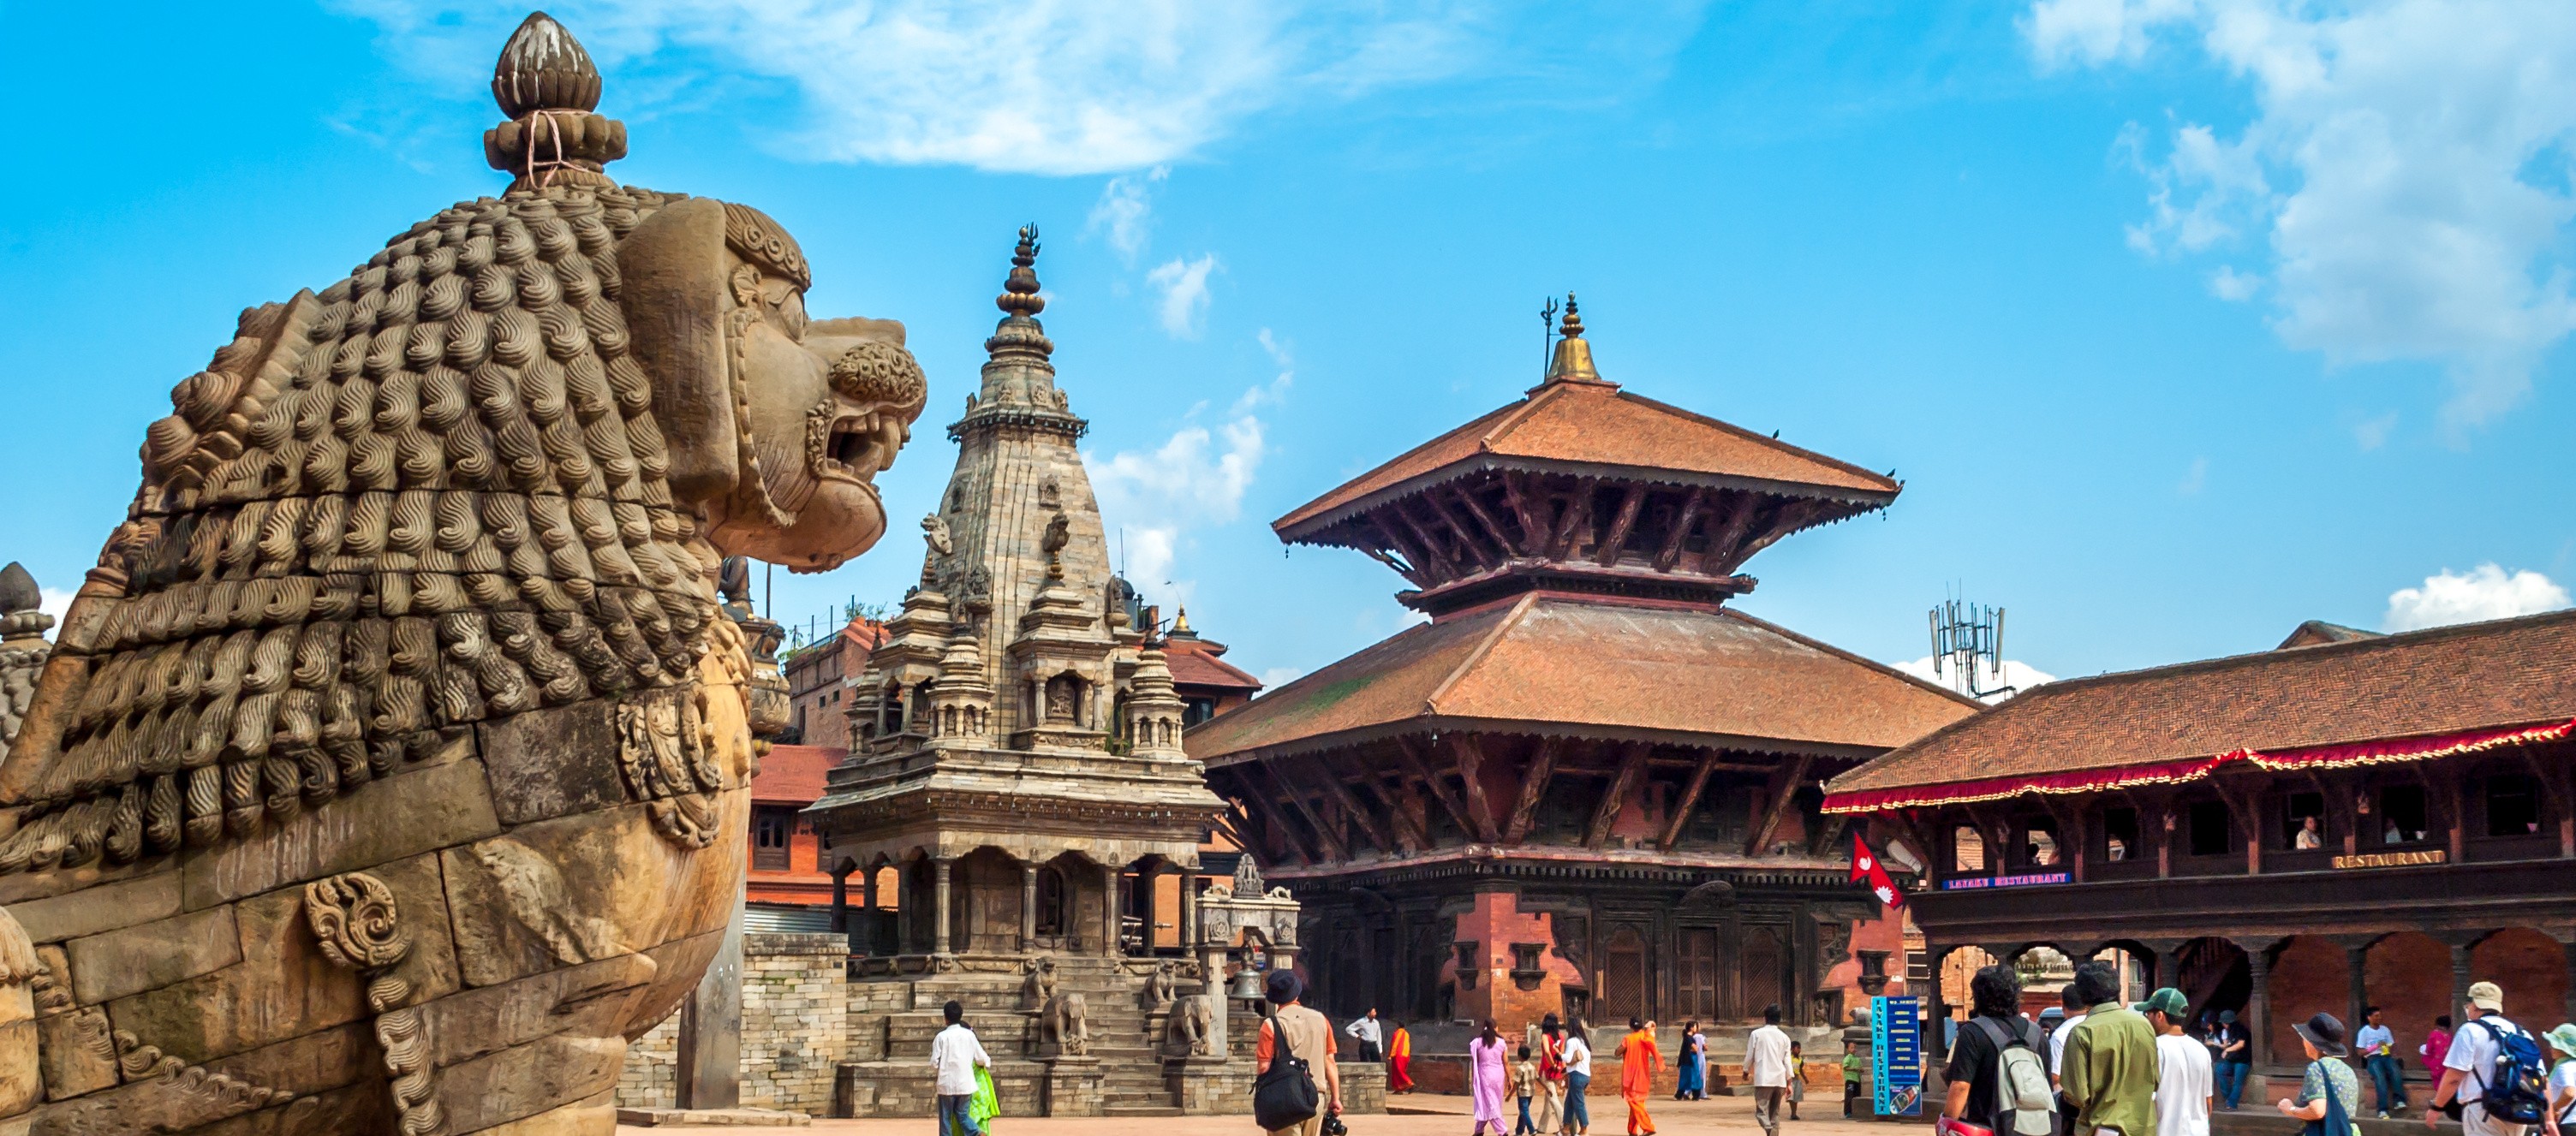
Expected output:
(1517, 495)
(1578, 512)
(1402, 804)
(1329, 843)
(1493, 529)
(1671, 553)
(1471, 773)
(1689, 799)
(1786, 519)
(1626, 519)
(1632, 765)
(1414, 764)
(1784, 789)
(1534, 779)
(1466, 533)
(1829, 832)
(1413, 568)
(1264, 828)
(1447, 565)
(1341, 791)
(1718, 558)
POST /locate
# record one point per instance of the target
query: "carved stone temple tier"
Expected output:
(1016, 753)
(390, 769)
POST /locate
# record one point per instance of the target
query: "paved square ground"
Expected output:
(1732, 1115)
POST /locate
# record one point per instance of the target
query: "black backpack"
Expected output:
(1284, 1095)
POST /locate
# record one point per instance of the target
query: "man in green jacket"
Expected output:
(2111, 1066)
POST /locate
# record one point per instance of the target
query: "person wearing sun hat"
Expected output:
(2473, 1050)
(2329, 1092)
(2184, 1084)
(2562, 1079)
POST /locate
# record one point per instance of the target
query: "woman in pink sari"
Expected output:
(1486, 1079)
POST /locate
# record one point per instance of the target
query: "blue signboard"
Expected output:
(1896, 1054)
(2026, 879)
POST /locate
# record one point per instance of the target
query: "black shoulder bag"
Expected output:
(1284, 1095)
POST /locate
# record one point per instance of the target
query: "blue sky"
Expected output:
(2183, 320)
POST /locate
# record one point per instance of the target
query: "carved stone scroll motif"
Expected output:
(355, 920)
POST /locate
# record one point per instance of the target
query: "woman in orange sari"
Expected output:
(1639, 1061)
(1399, 1061)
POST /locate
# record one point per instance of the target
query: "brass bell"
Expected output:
(1246, 986)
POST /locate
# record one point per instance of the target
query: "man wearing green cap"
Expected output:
(2185, 1084)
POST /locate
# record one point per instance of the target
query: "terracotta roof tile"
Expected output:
(2503, 673)
(1601, 425)
(793, 774)
(1193, 667)
(1582, 662)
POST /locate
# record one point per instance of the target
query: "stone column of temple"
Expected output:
(1189, 919)
(1109, 910)
(939, 866)
(709, 1073)
(1028, 907)
(1149, 881)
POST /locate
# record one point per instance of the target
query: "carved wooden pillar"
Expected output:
(2460, 981)
(2258, 1005)
(941, 866)
(2358, 960)
(1028, 907)
(2567, 952)
(840, 900)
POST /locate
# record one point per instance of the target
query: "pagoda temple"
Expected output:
(1587, 784)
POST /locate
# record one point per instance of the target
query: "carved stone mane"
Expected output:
(430, 496)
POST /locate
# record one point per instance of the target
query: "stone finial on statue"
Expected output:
(20, 604)
(549, 90)
(1247, 878)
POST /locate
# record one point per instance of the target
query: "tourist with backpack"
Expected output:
(1998, 1068)
(1294, 1041)
(2493, 1079)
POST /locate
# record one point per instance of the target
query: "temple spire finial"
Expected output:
(1020, 292)
(548, 88)
(1572, 362)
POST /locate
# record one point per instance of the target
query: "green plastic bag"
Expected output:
(987, 1103)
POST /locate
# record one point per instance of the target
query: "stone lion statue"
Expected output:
(1039, 987)
(389, 772)
(1159, 985)
(1067, 1030)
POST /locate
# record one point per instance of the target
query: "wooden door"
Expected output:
(1695, 973)
(1623, 976)
(1765, 964)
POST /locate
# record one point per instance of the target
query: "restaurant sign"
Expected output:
(2026, 879)
(2393, 859)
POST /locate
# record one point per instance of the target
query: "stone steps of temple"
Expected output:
(1140, 1110)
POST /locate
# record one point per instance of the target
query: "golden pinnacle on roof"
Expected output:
(1573, 360)
(1020, 293)
(1181, 621)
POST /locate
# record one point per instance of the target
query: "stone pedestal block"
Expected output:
(1071, 1087)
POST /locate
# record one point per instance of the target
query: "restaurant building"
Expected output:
(2347, 820)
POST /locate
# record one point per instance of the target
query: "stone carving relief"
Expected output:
(1159, 985)
(1039, 987)
(358, 926)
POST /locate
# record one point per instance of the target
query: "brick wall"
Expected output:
(2308, 976)
(650, 1079)
(2533, 971)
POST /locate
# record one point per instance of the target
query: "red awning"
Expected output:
(2338, 756)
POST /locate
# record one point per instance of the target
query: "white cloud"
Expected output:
(2406, 168)
(1125, 211)
(1045, 87)
(1276, 677)
(1154, 499)
(2194, 479)
(2484, 592)
(2231, 285)
(2373, 433)
(54, 602)
(2018, 675)
(1184, 284)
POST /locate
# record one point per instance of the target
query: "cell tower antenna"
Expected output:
(1968, 649)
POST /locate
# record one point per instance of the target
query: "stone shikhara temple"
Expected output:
(1587, 784)
(1017, 761)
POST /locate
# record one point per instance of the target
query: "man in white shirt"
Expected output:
(1371, 1041)
(2185, 1083)
(2376, 1045)
(2076, 1012)
(2473, 1052)
(1766, 1061)
(956, 1055)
